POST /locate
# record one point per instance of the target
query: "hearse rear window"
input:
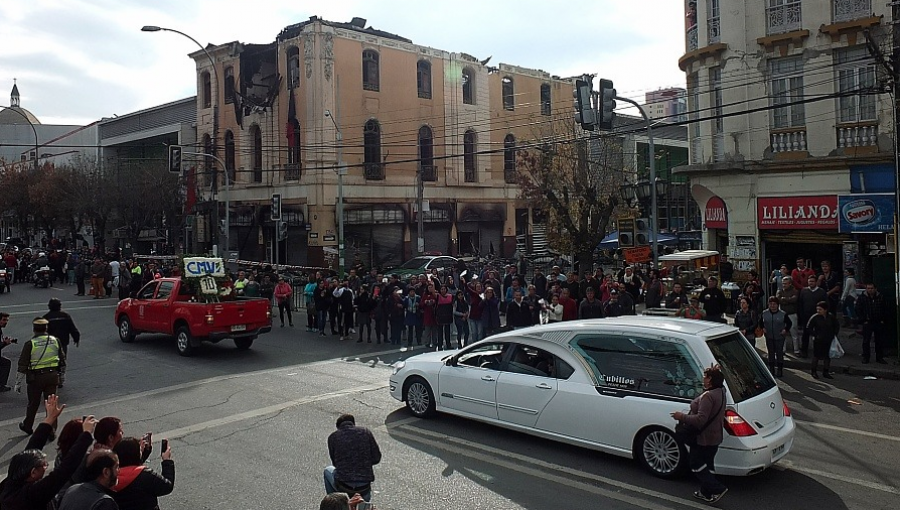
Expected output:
(745, 374)
(641, 364)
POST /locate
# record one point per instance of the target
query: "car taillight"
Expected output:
(787, 410)
(268, 314)
(736, 426)
(209, 319)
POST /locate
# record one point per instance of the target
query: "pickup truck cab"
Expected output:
(168, 306)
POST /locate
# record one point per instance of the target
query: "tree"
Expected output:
(146, 196)
(575, 180)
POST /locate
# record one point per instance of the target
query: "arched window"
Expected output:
(229, 155)
(470, 158)
(295, 164)
(293, 67)
(423, 79)
(468, 86)
(374, 169)
(545, 99)
(509, 94)
(426, 154)
(205, 89)
(370, 70)
(509, 159)
(256, 135)
(229, 84)
(208, 162)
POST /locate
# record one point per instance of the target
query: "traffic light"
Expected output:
(175, 159)
(276, 207)
(641, 232)
(584, 110)
(626, 233)
(282, 230)
(607, 104)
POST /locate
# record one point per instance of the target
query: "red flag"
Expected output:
(190, 198)
(290, 130)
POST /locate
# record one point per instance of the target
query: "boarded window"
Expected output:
(545, 99)
(468, 86)
(370, 70)
(229, 155)
(206, 89)
(229, 84)
(423, 79)
(426, 154)
(470, 158)
(374, 170)
(293, 67)
(256, 133)
(509, 159)
(509, 94)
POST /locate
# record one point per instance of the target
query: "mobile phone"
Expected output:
(165, 444)
(365, 505)
(84, 418)
(149, 437)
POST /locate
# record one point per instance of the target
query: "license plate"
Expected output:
(777, 450)
(239, 327)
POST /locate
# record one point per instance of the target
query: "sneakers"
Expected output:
(709, 499)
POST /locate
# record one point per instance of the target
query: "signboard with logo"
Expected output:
(202, 266)
(797, 213)
(638, 255)
(716, 214)
(866, 213)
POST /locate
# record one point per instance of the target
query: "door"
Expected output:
(159, 306)
(142, 318)
(525, 386)
(471, 385)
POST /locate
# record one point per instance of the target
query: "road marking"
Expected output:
(786, 464)
(545, 470)
(43, 309)
(848, 431)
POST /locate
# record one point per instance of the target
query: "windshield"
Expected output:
(745, 374)
(416, 263)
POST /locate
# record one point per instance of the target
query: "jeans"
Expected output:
(285, 304)
(462, 332)
(397, 331)
(431, 335)
(775, 346)
(444, 337)
(413, 331)
(330, 485)
(872, 332)
(702, 462)
(476, 330)
(321, 320)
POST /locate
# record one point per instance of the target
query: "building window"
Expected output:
(423, 79)
(470, 157)
(693, 83)
(256, 133)
(370, 70)
(426, 154)
(855, 71)
(295, 163)
(718, 123)
(205, 89)
(468, 86)
(374, 169)
(208, 161)
(509, 159)
(782, 16)
(229, 155)
(847, 10)
(713, 28)
(786, 87)
(293, 67)
(229, 84)
(545, 99)
(509, 94)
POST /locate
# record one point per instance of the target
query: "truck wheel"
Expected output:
(183, 341)
(244, 343)
(126, 331)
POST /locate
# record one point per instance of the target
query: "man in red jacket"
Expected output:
(570, 306)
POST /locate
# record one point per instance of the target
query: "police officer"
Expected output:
(62, 327)
(39, 364)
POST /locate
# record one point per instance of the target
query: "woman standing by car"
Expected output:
(746, 320)
(490, 313)
(707, 416)
(461, 311)
(443, 315)
(476, 306)
(822, 327)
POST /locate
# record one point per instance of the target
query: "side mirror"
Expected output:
(451, 361)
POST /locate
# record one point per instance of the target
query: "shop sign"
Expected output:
(638, 255)
(798, 213)
(716, 214)
(866, 213)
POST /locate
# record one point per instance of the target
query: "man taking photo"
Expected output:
(353, 451)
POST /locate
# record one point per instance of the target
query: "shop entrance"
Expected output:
(778, 253)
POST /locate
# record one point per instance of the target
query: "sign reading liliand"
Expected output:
(203, 266)
(799, 213)
(866, 213)
(716, 214)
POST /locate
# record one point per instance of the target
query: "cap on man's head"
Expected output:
(40, 321)
(613, 292)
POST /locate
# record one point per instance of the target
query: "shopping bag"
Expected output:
(836, 350)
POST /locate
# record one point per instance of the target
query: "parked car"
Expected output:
(166, 305)
(608, 385)
(423, 265)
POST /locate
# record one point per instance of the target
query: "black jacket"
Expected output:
(62, 327)
(714, 301)
(36, 495)
(140, 492)
(353, 452)
(518, 315)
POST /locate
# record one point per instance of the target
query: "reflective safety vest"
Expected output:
(136, 270)
(240, 284)
(44, 352)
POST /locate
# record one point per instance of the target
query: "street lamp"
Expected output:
(36, 143)
(341, 170)
(215, 133)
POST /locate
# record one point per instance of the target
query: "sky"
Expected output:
(77, 61)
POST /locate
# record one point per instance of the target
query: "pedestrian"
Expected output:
(81, 270)
(353, 452)
(848, 297)
(429, 323)
(476, 308)
(283, 293)
(692, 310)
(461, 310)
(490, 314)
(138, 486)
(322, 299)
(613, 307)
(5, 363)
(871, 313)
(344, 297)
(340, 501)
(555, 310)
(62, 327)
(517, 313)
(40, 362)
(309, 297)
(823, 328)
(800, 275)
(98, 274)
(570, 306)
(102, 469)
(678, 298)
(26, 487)
(364, 306)
(267, 289)
(396, 315)
(443, 316)
(591, 307)
(714, 301)
(706, 416)
(787, 297)
(412, 318)
(746, 319)
(776, 326)
(831, 282)
(380, 314)
(807, 301)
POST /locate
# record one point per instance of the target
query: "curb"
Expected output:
(890, 371)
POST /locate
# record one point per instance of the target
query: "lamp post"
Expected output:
(36, 143)
(341, 170)
(215, 131)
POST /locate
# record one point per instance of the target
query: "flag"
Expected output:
(190, 198)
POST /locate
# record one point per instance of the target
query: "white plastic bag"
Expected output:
(836, 350)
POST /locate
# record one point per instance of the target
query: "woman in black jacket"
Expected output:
(139, 486)
(823, 327)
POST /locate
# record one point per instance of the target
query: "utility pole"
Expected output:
(420, 214)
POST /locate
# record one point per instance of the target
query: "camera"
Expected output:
(14, 340)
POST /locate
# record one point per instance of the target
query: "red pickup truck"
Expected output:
(168, 306)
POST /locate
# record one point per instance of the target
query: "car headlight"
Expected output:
(398, 366)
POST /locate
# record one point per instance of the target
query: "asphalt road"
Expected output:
(248, 429)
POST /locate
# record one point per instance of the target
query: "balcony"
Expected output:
(788, 140)
(718, 147)
(692, 41)
(849, 10)
(292, 172)
(783, 18)
(857, 135)
(374, 171)
(713, 30)
(429, 173)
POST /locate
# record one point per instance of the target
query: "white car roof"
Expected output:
(561, 332)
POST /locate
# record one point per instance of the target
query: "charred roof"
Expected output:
(357, 25)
